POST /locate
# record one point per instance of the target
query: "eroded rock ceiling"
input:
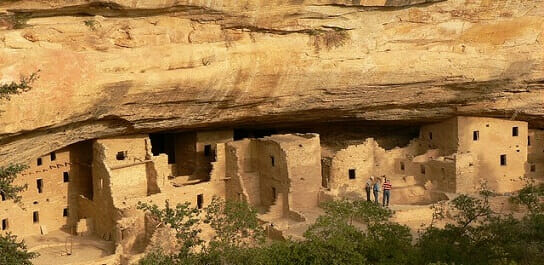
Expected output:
(126, 66)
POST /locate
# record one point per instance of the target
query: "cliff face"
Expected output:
(112, 67)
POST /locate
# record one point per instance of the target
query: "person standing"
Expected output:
(386, 192)
(376, 190)
(368, 187)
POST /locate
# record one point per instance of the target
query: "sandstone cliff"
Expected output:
(122, 66)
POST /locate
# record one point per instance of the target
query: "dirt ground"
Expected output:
(58, 248)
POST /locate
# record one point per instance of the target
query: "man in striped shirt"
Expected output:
(386, 192)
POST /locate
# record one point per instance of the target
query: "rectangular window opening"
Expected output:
(529, 140)
(422, 169)
(515, 131)
(476, 135)
(122, 155)
(53, 156)
(533, 167)
(5, 224)
(39, 185)
(65, 212)
(66, 177)
(402, 166)
(199, 201)
(3, 195)
(351, 174)
(39, 161)
(430, 136)
(208, 150)
(274, 194)
(36, 217)
(272, 161)
(503, 160)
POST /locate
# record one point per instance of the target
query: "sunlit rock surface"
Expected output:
(114, 67)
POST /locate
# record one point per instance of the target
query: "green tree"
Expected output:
(13, 252)
(480, 236)
(235, 223)
(184, 220)
(8, 175)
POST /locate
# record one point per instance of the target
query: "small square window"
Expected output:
(475, 135)
(36, 217)
(533, 167)
(65, 212)
(402, 166)
(66, 176)
(121, 155)
(39, 161)
(515, 131)
(503, 160)
(5, 224)
(272, 161)
(53, 156)
(351, 174)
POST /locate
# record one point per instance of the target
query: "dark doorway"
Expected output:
(199, 201)
(163, 143)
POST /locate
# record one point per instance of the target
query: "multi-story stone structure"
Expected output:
(93, 187)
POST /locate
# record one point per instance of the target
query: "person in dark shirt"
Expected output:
(368, 187)
(376, 189)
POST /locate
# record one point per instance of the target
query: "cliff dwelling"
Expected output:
(88, 191)
(393, 109)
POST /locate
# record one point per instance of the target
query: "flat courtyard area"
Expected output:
(61, 248)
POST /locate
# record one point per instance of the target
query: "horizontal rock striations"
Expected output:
(115, 67)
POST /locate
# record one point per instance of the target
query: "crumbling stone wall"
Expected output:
(369, 159)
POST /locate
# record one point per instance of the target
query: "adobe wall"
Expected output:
(535, 155)
(57, 193)
(357, 157)
(243, 182)
(369, 159)
(273, 176)
(185, 149)
(100, 209)
(128, 176)
(442, 174)
(441, 136)
(496, 139)
(304, 171)
(211, 138)
(468, 173)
